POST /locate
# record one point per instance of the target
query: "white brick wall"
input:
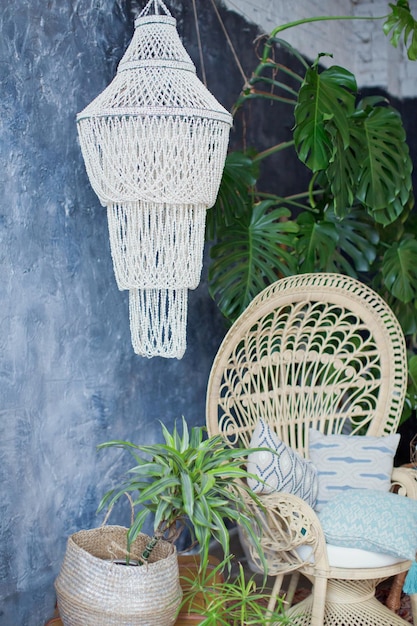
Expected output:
(360, 46)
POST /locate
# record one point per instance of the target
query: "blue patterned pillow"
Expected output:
(351, 462)
(282, 469)
(377, 521)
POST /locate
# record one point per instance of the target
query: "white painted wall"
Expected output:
(360, 46)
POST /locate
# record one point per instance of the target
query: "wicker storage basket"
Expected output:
(92, 590)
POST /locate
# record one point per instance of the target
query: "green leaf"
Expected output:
(162, 452)
(187, 493)
(399, 269)
(137, 526)
(401, 23)
(342, 174)
(196, 437)
(251, 254)
(406, 315)
(317, 241)
(357, 244)
(220, 532)
(384, 182)
(239, 177)
(207, 483)
(196, 486)
(412, 380)
(323, 97)
(165, 513)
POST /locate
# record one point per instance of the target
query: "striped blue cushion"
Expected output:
(282, 470)
(351, 461)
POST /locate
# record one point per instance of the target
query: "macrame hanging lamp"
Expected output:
(154, 144)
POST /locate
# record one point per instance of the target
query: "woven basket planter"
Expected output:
(93, 590)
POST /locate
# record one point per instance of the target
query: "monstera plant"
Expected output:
(356, 215)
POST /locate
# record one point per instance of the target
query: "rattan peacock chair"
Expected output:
(322, 352)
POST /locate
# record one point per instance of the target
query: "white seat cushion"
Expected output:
(351, 558)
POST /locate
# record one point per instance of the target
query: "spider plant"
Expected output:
(235, 602)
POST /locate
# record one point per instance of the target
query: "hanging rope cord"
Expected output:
(226, 34)
(200, 48)
(157, 4)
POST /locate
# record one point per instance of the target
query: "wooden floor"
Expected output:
(239, 558)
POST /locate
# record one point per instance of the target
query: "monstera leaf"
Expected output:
(359, 198)
(401, 22)
(317, 241)
(344, 167)
(384, 183)
(323, 97)
(399, 269)
(406, 314)
(239, 176)
(362, 148)
(412, 378)
(357, 242)
(251, 254)
(329, 244)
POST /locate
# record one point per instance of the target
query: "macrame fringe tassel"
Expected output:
(158, 322)
(410, 583)
(156, 245)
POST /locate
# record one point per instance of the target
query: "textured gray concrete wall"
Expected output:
(68, 376)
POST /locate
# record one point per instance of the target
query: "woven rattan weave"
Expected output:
(318, 351)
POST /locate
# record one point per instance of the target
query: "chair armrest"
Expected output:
(404, 481)
(288, 522)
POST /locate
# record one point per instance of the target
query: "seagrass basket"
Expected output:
(93, 590)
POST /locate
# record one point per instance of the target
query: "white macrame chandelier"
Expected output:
(154, 144)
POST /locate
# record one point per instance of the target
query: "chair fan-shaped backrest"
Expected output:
(316, 351)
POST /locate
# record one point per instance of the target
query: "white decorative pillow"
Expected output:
(351, 462)
(282, 469)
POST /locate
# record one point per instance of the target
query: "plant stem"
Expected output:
(277, 148)
(290, 199)
(259, 94)
(308, 20)
(148, 550)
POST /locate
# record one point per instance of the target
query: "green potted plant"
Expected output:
(356, 215)
(188, 481)
(238, 601)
